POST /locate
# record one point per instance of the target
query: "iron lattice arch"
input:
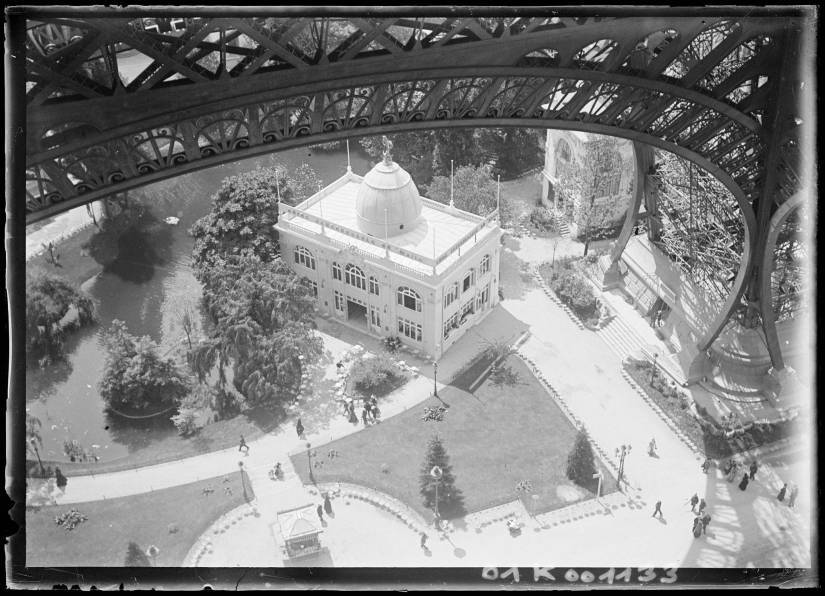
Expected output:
(117, 103)
(701, 227)
(790, 272)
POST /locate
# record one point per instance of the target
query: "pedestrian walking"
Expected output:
(706, 465)
(702, 505)
(781, 496)
(243, 446)
(658, 509)
(696, 521)
(753, 469)
(375, 413)
(651, 448)
(61, 480)
(732, 473)
(697, 527)
(352, 417)
(705, 522)
(320, 511)
(364, 417)
(743, 484)
(299, 428)
(792, 496)
(694, 500)
(424, 541)
(327, 504)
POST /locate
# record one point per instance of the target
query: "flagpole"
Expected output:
(321, 208)
(451, 184)
(498, 199)
(386, 241)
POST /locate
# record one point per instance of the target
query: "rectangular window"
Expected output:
(340, 302)
(409, 329)
(485, 265)
(314, 286)
(450, 295)
(336, 271)
(467, 282)
(450, 324)
(373, 286)
(375, 316)
(467, 310)
(484, 297)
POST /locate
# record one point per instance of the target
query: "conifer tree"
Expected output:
(450, 499)
(580, 465)
(135, 557)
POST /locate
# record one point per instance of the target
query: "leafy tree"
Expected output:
(461, 145)
(413, 150)
(243, 212)
(135, 557)
(34, 441)
(263, 314)
(450, 500)
(513, 150)
(580, 464)
(376, 375)
(53, 306)
(135, 376)
(474, 190)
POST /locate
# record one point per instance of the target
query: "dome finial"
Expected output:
(387, 149)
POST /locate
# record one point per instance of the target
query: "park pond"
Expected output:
(148, 288)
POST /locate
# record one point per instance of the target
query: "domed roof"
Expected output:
(388, 201)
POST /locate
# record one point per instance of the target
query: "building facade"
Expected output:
(577, 190)
(384, 259)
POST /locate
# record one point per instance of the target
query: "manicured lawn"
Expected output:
(102, 540)
(494, 439)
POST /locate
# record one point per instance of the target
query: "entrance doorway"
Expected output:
(357, 313)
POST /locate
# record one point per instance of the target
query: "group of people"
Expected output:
(369, 413)
(326, 507)
(792, 494)
(702, 519)
(732, 469)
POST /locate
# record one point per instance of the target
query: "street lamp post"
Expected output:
(621, 452)
(653, 370)
(243, 482)
(435, 378)
(309, 462)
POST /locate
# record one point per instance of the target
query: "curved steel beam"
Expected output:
(643, 158)
(176, 169)
(765, 295)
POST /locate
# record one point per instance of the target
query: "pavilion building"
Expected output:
(391, 262)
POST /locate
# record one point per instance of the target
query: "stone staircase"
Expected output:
(561, 225)
(620, 337)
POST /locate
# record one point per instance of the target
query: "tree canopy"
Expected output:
(474, 190)
(244, 210)
(53, 306)
(136, 378)
(263, 314)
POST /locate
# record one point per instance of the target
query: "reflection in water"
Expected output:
(145, 287)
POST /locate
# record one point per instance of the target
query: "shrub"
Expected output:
(542, 219)
(392, 344)
(376, 375)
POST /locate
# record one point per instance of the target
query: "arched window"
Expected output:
(336, 271)
(304, 257)
(409, 299)
(373, 286)
(355, 277)
(485, 265)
